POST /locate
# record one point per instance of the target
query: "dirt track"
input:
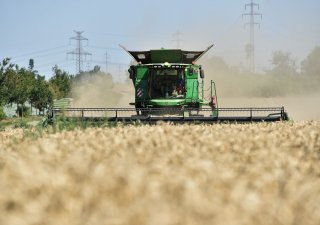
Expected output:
(221, 174)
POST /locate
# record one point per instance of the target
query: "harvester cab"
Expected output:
(169, 78)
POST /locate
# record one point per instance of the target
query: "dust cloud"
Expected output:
(99, 90)
(236, 87)
(299, 108)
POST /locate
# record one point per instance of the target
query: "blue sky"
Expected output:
(41, 29)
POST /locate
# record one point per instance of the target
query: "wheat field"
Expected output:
(165, 174)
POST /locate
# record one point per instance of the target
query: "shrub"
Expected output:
(21, 123)
(23, 111)
(2, 113)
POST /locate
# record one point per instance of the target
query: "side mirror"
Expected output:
(131, 73)
(190, 71)
(202, 73)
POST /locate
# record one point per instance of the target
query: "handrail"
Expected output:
(260, 109)
(197, 84)
(168, 114)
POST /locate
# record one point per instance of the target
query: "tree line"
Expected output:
(19, 85)
(285, 76)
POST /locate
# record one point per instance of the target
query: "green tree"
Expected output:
(8, 82)
(26, 82)
(311, 65)
(2, 113)
(41, 96)
(284, 64)
(3, 90)
(96, 69)
(19, 85)
(60, 83)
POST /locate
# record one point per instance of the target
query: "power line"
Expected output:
(104, 48)
(51, 64)
(39, 56)
(114, 34)
(177, 37)
(109, 63)
(79, 52)
(251, 47)
(38, 52)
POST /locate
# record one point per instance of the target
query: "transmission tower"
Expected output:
(177, 37)
(251, 47)
(79, 52)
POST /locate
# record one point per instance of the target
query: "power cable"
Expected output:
(42, 56)
(104, 48)
(37, 52)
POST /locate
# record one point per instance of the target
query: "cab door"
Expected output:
(141, 84)
(192, 84)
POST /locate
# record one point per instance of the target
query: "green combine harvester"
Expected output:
(169, 86)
